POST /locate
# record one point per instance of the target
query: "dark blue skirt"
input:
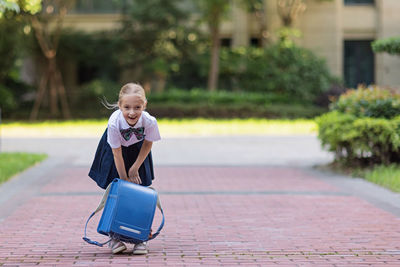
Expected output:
(103, 170)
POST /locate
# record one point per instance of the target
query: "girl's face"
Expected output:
(131, 107)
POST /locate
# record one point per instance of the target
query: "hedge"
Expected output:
(364, 126)
(370, 140)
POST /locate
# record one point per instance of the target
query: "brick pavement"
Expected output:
(215, 216)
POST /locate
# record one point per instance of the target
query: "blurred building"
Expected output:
(340, 31)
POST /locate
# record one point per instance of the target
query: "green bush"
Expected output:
(99, 89)
(369, 102)
(7, 101)
(95, 54)
(87, 100)
(177, 103)
(10, 43)
(291, 71)
(273, 111)
(198, 95)
(13, 44)
(364, 125)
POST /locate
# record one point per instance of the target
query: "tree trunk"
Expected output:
(51, 77)
(53, 88)
(214, 63)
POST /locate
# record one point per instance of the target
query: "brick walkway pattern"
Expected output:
(215, 216)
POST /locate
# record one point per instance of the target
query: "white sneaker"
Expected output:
(140, 249)
(116, 246)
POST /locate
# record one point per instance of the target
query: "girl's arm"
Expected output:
(134, 170)
(119, 163)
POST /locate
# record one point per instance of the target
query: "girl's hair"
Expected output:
(127, 89)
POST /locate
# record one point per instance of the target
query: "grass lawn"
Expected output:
(13, 163)
(168, 127)
(386, 176)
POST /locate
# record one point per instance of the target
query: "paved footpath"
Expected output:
(234, 213)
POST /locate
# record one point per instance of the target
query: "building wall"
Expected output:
(388, 25)
(321, 28)
(92, 22)
(325, 25)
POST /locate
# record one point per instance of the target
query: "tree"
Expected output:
(212, 12)
(11, 44)
(48, 41)
(10, 26)
(149, 33)
(7, 5)
(40, 21)
(28, 6)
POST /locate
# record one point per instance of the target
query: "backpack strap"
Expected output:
(99, 208)
(152, 236)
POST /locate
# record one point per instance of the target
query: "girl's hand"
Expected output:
(134, 175)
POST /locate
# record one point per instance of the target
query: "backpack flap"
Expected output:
(134, 211)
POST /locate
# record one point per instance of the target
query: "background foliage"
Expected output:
(289, 71)
(170, 56)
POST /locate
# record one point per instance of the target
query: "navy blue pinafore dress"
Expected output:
(103, 170)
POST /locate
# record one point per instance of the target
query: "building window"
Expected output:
(226, 42)
(359, 2)
(255, 42)
(359, 63)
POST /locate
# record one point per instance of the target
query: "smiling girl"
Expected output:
(124, 150)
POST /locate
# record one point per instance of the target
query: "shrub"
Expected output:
(198, 95)
(363, 126)
(369, 102)
(16, 98)
(7, 101)
(98, 89)
(86, 100)
(292, 71)
(370, 140)
(177, 103)
(10, 43)
(94, 53)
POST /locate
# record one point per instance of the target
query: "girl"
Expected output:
(124, 149)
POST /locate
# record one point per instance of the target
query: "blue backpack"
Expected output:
(128, 213)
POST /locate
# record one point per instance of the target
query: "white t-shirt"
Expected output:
(120, 133)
